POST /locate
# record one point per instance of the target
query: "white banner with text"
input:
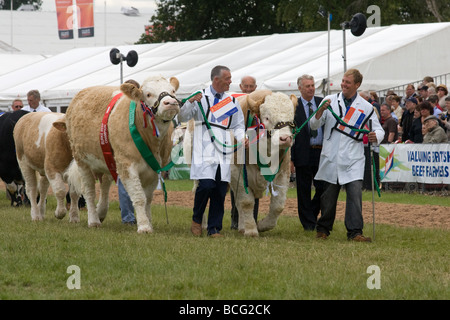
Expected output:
(421, 163)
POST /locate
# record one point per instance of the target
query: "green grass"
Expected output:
(286, 263)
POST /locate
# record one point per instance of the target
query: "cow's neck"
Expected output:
(264, 151)
(154, 142)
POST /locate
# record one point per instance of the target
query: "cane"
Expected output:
(372, 177)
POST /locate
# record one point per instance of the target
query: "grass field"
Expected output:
(284, 264)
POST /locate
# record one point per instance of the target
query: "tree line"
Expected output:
(181, 20)
(6, 4)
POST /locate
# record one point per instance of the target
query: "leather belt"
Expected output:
(316, 147)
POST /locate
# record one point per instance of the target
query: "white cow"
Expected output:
(84, 122)
(276, 111)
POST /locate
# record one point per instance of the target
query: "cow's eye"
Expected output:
(149, 95)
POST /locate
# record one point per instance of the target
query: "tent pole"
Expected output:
(328, 74)
(344, 46)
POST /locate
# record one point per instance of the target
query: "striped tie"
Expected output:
(311, 111)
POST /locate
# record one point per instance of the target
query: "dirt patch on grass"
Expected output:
(404, 215)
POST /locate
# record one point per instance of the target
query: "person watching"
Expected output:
(17, 105)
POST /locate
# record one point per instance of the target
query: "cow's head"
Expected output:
(276, 111)
(157, 93)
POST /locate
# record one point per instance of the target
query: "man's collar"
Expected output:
(352, 98)
(305, 102)
(213, 91)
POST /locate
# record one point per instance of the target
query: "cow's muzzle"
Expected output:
(281, 125)
(162, 96)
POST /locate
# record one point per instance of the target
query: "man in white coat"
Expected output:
(342, 159)
(211, 160)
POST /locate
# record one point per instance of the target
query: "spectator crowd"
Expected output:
(420, 116)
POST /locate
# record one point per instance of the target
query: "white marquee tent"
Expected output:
(387, 57)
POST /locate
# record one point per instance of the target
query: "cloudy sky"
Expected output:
(144, 6)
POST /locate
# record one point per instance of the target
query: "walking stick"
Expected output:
(372, 177)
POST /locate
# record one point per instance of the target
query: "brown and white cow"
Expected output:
(276, 112)
(44, 149)
(84, 120)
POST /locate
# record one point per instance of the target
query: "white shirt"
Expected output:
(40, 108)
(342, 159)
(206, 155)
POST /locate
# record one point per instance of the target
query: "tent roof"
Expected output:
(386, 56)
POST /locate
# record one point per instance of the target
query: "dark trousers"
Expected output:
(214, 191)
(353, 208)
(308, 209)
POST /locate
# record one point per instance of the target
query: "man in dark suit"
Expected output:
(305, 155)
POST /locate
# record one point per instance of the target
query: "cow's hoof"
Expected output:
(94, 225)
(37, 218)
(265, 226)
(60, 215)
(74, 219)
(251, 233)
(145, 229)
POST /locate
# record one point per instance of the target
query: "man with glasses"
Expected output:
(17, 105)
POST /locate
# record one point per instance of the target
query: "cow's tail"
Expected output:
(73, 178)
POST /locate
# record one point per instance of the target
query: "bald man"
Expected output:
(248, 84)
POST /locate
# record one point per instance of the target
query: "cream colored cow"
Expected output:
(84, 122)
(276, 112)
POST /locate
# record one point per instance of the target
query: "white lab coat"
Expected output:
(206, 156)
(342, 159)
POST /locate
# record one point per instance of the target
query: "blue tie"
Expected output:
(216, 98)
(216, 101)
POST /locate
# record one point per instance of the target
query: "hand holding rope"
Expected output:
(372, 137)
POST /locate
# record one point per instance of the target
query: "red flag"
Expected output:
(85, 10)
(64, 14)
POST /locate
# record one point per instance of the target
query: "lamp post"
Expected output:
(116, 57)
(357, 26)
